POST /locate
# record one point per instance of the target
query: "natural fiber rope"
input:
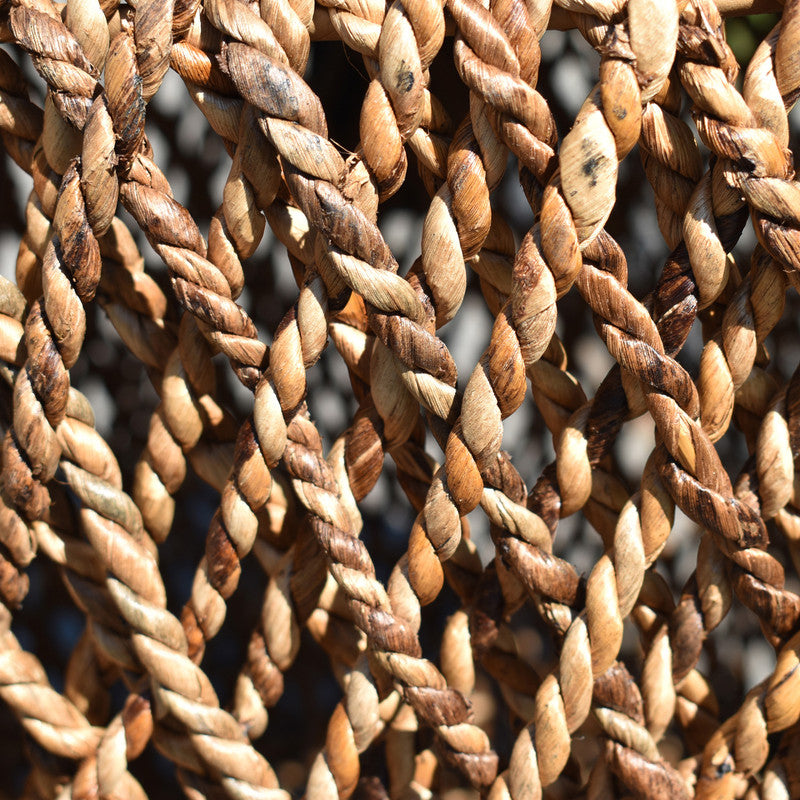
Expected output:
(576, 719)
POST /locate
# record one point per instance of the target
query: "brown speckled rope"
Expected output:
(516, 662)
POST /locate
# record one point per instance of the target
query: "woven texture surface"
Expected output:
(399, 400)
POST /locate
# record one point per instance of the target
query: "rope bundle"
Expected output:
(490, 642)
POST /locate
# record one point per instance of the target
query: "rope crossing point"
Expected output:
(498, 503)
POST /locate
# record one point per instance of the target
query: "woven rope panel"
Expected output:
(399, 399)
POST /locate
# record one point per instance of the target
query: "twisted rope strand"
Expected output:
(538, 691)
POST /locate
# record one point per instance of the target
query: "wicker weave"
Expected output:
(587, 632)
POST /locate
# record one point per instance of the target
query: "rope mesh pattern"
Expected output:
(399, 400)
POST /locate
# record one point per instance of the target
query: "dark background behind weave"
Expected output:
(196, 165)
